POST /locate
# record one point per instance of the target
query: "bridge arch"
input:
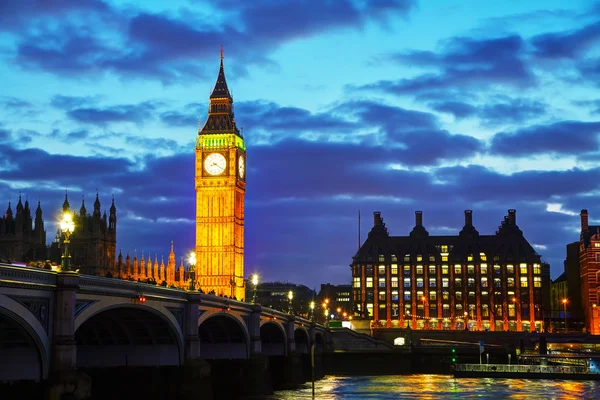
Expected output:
(301, 338)
(273, 339)
(111, 334)
(223, 336)
(319, 343)
(30, 348)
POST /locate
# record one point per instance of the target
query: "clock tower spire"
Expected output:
(220, 189)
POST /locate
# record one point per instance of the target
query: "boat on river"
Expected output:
(579, 367)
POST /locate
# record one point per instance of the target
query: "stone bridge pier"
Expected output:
(79, 336)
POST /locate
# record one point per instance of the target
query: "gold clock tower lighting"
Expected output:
(220, 189)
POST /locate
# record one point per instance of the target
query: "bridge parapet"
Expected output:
(25, 277)
(111, 286)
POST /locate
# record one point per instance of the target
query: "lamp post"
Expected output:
(466, 321)
(255, 284)
(564, 301)
(290, 298)
(312, 311)
(192, 261)
(67, 227)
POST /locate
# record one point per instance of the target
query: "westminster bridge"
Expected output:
(52, 322)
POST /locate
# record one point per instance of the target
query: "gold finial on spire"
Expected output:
(222, 51)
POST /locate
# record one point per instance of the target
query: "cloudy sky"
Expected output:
(346, 105)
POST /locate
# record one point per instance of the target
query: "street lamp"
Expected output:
(312, 311)
(466, 320)
(192, 261)
(564, 301)
(290, 297)
(255, 283)
(67, 227)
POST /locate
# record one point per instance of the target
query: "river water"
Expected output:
(440, 387)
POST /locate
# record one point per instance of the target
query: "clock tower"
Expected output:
(220, 188)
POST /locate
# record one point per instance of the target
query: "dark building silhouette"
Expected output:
(449, 282)
(20, 239)
(275, 295)
(334, 297)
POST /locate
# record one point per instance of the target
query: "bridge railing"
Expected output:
(100, 285)
(35, 278)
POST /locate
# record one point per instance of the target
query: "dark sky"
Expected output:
(390, 105)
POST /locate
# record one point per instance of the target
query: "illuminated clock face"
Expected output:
(215, 164)
(241, 167)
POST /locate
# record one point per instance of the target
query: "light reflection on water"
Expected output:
(440, 387)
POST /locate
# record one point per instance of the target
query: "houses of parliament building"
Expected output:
(93, 245)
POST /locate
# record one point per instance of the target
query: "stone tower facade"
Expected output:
(220, 189)
(19, 239)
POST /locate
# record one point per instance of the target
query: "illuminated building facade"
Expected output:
(19, 239)
(472, 281)
(220, 189)
(589, 269)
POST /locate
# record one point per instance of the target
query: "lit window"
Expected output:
(458, 282)
(472, 296)
(537, 281)
(432, 258)
(446, 295)
(419, 282)
(432, 282)
(458, 295)
(444, 248)
(394, 258)
(432, 270)
(369, 282)
(369, 270)
(382, 282)
(445, 282)
(433, 296)
(394, 270)
(484, 281)
(470, 269)
(497, 283)
(497, 269)
(406, 257)
(356, 282)
(537, 269)
(470, 257)
(394, 281)
(471, 282)
(406, 282)
(482, 257)
(370, 309)
(510, 269)
(444, 270)
(457, 269)
(485, 311)
(381, 270)
(484, 294)
(483, 269)
(419, 269)
(523, 268)
(407, 295)
(381, 258)
(407, 270)
(510, 282)
(382, 296)
(511, 310)
(596, 244)
(419, 257)
(445, 258)
(524, 281)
